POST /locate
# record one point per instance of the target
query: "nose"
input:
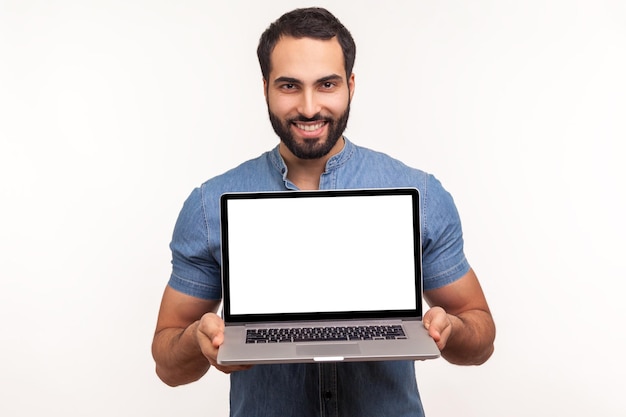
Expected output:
(308, 106)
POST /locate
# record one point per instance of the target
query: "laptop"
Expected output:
(322, 276)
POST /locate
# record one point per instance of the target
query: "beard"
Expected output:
(312, 148)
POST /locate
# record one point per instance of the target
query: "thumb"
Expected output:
(430, 321)
(213, 327)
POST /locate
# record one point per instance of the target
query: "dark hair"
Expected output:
(313, 22)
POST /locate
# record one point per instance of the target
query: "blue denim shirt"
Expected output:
(374, 389)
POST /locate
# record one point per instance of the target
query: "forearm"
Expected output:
(178, 357)
(471, 339)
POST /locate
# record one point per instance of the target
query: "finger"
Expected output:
(433, 315)
(212, 326)
(209, 335)
(231, 368)
(211, 329)
(437, 322)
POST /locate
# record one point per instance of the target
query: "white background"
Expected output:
(112, 111)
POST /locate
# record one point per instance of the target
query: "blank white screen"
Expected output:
(299, 255)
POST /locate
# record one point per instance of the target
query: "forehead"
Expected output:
(306, 58)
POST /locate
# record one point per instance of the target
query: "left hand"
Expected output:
(439, 326)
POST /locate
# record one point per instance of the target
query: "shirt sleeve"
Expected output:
(195, 271)
(443, 259)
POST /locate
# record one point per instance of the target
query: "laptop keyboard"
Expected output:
(320, 334)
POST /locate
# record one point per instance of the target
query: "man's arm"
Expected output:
(187, 337)
(460, 321)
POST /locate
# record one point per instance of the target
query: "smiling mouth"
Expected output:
(310, 127)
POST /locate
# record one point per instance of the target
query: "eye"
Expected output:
(328, 85)
(288, 86)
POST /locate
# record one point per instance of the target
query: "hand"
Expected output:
(210, 335)
(439, 326)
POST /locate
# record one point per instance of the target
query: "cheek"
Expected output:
(338, 104)
(281, 106)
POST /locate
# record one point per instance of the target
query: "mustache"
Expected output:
(317, 118)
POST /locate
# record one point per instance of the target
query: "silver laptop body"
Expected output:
(314, 276)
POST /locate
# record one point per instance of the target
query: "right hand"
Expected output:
(210, 335)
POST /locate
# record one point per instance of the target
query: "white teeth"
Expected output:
(310, 128)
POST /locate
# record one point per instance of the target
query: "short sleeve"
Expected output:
(195, 271)
(443, 259)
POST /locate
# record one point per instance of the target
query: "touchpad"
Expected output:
(328, 349)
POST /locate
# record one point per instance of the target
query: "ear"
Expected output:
(265, 88)
(351, 85)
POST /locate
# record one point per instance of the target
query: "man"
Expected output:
(306, 58)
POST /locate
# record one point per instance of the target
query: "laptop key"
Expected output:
(315, 334)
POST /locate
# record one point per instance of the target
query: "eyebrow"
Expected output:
(291, 80)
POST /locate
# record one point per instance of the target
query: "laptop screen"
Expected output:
(321, 252)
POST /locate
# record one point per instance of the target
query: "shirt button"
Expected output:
(328, 395)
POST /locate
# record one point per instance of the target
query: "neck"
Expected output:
(306, 173)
